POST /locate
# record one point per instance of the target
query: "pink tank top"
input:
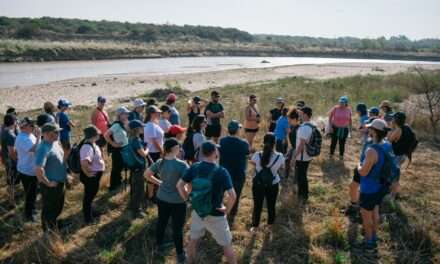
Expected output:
(341, 117)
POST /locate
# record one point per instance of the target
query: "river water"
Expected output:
(26, 74)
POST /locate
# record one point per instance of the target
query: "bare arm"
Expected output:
(151, 178)
(300, 147)
(370, 160)
(41, 176)
(184, 189)
(158, 145)
(86, 167)
(230, 201)
(107, 137)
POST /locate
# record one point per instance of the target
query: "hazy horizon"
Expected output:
(314, 18)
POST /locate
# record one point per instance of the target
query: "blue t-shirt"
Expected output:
(63, 122)
(281, 128)
(233, 156)
(175, 116)
(136, 144)
(50, 156)
(221, 182)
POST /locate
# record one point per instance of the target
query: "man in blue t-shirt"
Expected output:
(216, 222)
(65, 124)
(234, 153)
(51, 172)
(281, 132)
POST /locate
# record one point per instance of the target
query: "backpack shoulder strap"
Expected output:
(275, 161)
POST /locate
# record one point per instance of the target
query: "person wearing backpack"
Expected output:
(92, 168)
(169, 203)
(294, 123)
(340, 121)
(194, 139)
(303, 158)
(100, 119)
(234, 153)
(374, 180)
(404, 142)
(117, 138)
(265, 183)
(206, 184)
(137, 165)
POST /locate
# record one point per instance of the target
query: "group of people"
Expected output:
(171, 164)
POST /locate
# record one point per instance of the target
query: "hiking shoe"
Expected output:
(181, 258)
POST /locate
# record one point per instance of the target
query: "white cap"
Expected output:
(122, 110)
(139, 102)
(378, 124)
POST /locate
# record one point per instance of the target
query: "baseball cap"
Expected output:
(176, 129)
(343, 100)
(374, 110)
(172, 97)
(139, 102)
(135, 124)
(153, 109)
(64, 103)
(401, 116)
(122, 110)
(170, 143)
(378, 124)
(280, 100)
(44, 118)
(196, 99)
(234, 125)
(165, 108)
(208, 147)
(101, 99)
(300, 104)
(26, 121)
(50, 127)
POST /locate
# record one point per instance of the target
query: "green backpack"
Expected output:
(201, 194)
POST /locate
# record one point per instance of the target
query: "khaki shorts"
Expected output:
(216, 225)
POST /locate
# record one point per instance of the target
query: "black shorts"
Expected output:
(356, 176)
(370, 200)
(213, 131)
(65, 143)
(251, 130)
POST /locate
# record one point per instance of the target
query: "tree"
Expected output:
(429, 90)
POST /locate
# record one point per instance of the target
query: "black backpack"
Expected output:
(74, 159)
(188, 146)
(409, 142)
(265, 176)
(313, 147)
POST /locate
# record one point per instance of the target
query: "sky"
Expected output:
(326, 18)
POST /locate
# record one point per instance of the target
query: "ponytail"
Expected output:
(268, 149)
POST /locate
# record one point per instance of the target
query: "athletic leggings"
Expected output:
(260, 192)
(177, 213)
(339, 134)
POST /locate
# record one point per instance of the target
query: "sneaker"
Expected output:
(181, 258)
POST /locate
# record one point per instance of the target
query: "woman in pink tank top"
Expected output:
(340, 121)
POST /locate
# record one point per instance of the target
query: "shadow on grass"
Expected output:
(334, 171)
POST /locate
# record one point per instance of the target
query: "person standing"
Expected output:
(214, 113)
(51, 173)
(116, 136)
(138, 110)
(63, 120)
(340, 120)
(362, 111)
(302, 158)
(169, 203)
(9, 154)
(26, 145)
(92, 168)
(153, 134)
(206, 183)
(234, 153)
(100, 120)
(387, 111)
(164, 121)
(137, 181)
(281, 131)
(272, 161)
(50, 109)
(294, 123)
(194, 139)
(252, 120)
(275, 114)
(171, 102)
(195, 106)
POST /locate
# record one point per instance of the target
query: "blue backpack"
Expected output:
(201, 194)
(390, 171)
(130, 157)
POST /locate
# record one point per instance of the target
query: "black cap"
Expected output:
(135, 124)
(44, 119)
(153, 109)
(208, 147)
(165, 108)
(307, 110)
(26, 122)
(196, 99)
(50, 127)
(169, 144)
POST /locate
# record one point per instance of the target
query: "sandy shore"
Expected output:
(84, 91)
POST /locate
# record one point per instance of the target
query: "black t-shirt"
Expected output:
(221, 182)
(275, 114)
(7, 140)
(292, 136)
(233, 156)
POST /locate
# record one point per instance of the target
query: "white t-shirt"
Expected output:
(304, 132)
(274, 167)
(153, 132)
(94, 156)
(26, 160)
(164, 124)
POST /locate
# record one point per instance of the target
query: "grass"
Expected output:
(410, 229)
